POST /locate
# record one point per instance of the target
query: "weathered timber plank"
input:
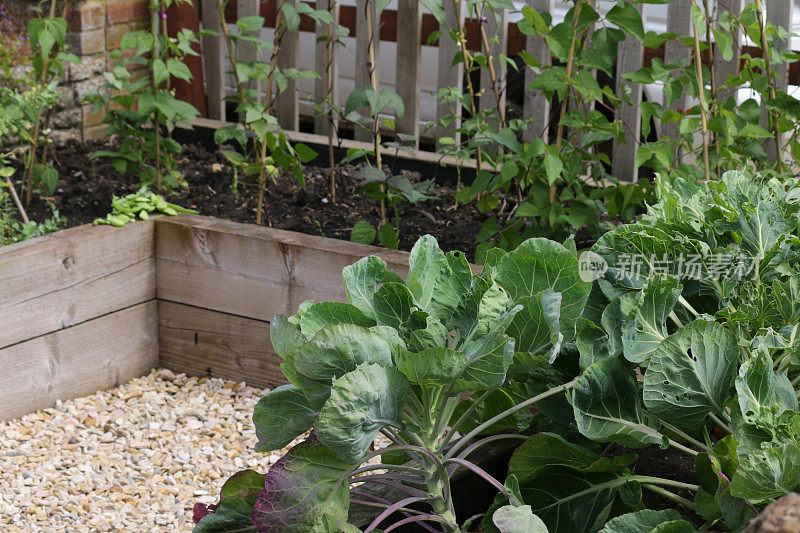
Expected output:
(631, 55)
(252, 271)
(450, 75)
(409, 52)
(79, 360)
(200, 342)
(66, 278)
(286, 101)
(213, 61)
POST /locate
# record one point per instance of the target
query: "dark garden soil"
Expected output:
(85, 188)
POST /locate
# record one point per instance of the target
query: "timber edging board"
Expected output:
(219, 283)
(77, 314)
(88, 308)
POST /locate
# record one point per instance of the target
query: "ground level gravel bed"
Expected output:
(134, 458)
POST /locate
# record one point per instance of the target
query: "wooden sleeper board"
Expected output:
(95, 355)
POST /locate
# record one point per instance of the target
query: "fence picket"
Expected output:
(286, 101)
(321, 123)
(496, 26)
(722, 68)
(631, 55)
(362, 53)
(679, 20)
(409, 51)
(213, 61)
(536, 104)
(449, 75)
(779, 13)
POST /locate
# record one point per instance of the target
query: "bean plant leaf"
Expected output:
(362, 279)
(361, 403)
(511, 519)
(537, 265)
(280, 416)
(649, 521)
(691, 374)
(303, 492)
(335, 351)
(608, 407)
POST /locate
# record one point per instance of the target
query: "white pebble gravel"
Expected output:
(135, 458)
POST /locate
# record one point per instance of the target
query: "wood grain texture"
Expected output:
(679, 20)
(286, 107)
(409, 52)
(213, 61)
(200, 342)
(252, 271)
(497, 35)
(631, 54)
(321, 123)
(72, 276)
(535, 103)
(362, 66)
(449, 75)
(722, 68)
(80, 360)
(779, 14)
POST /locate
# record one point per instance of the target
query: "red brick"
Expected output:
(86, 16)
(86, 42)
(127, 11)
(92, 119)
(114, 34)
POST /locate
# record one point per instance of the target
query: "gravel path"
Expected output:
(135, 458)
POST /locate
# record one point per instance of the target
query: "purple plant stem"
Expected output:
(399, 486)
(396, 477)
(386, 503)
(391, 509)
(485, 475)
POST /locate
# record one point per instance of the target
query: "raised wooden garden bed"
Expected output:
(91, 307)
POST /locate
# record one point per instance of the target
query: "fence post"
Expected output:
(247, 51)
(779, 13)
(321, 123)
(631, 54)
(214, 61)
(409, 51)
(534, 102)
(496, 26)
(362, 54)
(679, 20)
(722, 68)
(449, 75)
(286, 101)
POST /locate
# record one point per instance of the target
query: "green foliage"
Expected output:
(396, 359)
(139, 106)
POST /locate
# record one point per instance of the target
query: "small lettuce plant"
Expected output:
(422, 362)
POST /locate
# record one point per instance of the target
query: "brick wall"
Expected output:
(94, 28)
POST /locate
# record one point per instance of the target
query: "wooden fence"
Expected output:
(410, 28)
